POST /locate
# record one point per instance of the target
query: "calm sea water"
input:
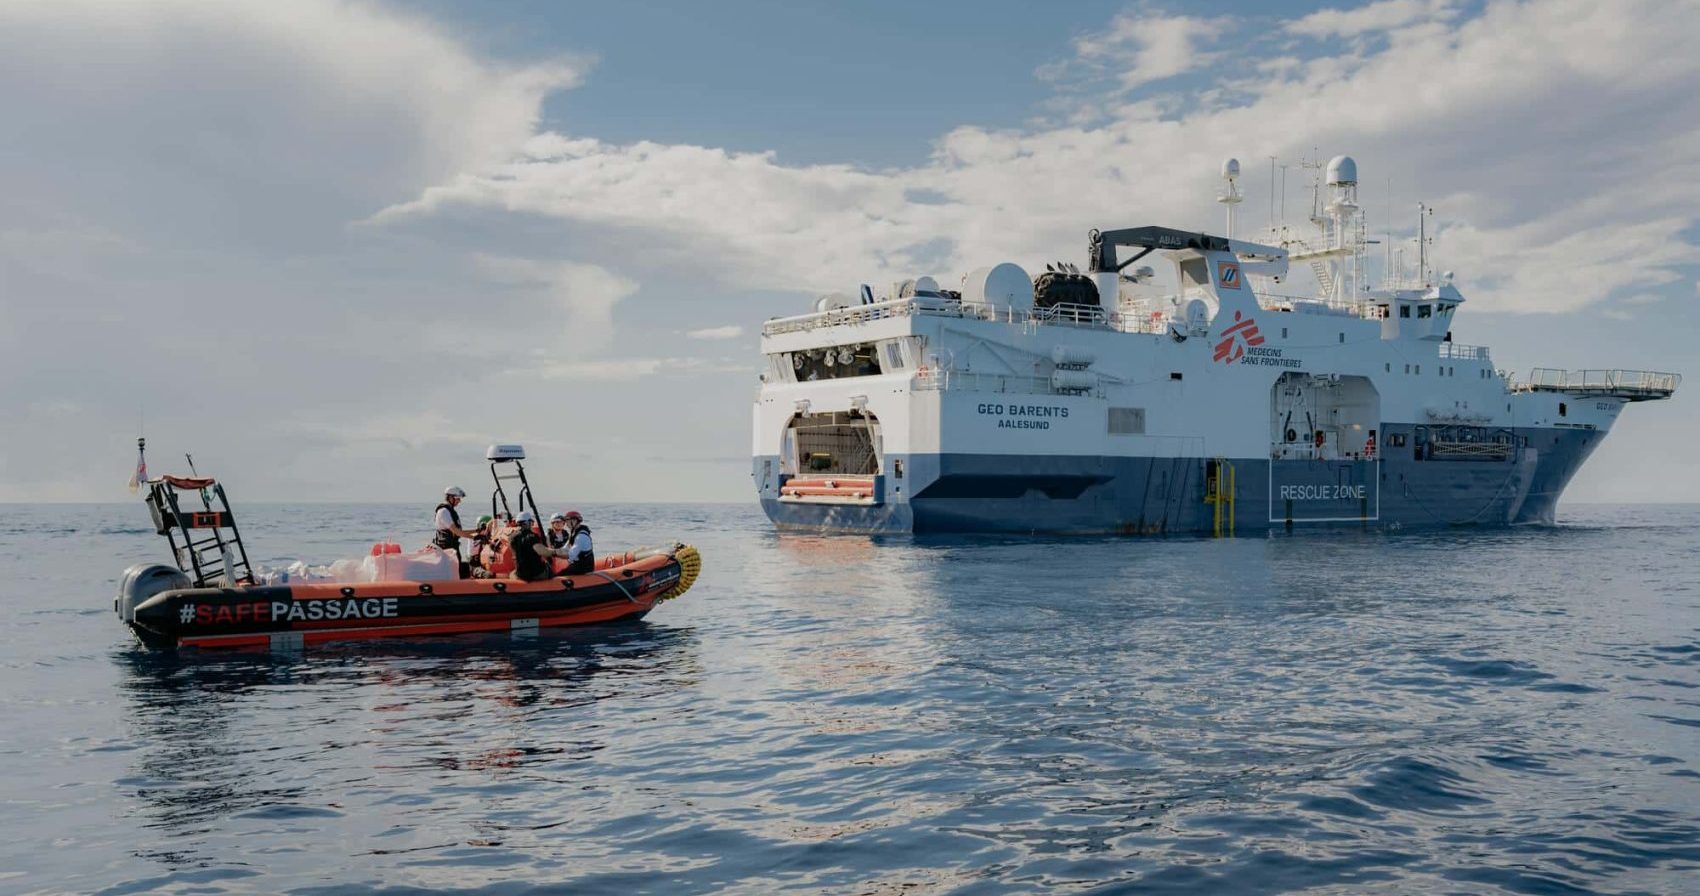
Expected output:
(1463, 712)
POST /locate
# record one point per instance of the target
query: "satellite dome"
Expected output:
(1342, 170)
(1231, 169)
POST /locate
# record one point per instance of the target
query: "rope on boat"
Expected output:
(616, 583)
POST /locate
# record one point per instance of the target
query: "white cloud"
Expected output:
(1385, 15)
(1490, 130)
(1140, 48)
(614, 369)
(178, 184)
(1481, 116)
(184, 174)
(730, 331)
(252, 125)
(812, 227)
(579, 298)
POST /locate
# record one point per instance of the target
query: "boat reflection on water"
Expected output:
(256, 735)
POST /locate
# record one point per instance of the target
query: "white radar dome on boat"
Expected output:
(1342, 170)
(833, 301)
(998, 287)
(926, 286)
(505, 452)
(1231, 169)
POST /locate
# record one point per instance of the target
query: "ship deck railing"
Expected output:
(1065, 315)
(936, 379)
(1272, 301)
(1453, 450)
(1137, 318)
(1631, 385)
(1461, 352)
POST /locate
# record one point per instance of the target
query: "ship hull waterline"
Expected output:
(1072, 494)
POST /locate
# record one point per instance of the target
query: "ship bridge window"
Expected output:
(1404, 311)
(1425, 310)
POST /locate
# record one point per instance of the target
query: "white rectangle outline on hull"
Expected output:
(1330, 519)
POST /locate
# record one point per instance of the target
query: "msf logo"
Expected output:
(1236, 339)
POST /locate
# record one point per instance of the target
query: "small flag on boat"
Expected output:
(140, 477)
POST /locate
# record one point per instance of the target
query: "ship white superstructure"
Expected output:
(1096, 399)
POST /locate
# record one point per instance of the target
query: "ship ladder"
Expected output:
(1219, 488)
(1324, 278)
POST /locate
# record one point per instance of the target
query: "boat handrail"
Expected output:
(1062, 314)
(1613, 381)
(944, 379)
(1459, 351)
(1274, 301)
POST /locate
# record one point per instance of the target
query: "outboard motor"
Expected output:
(141, 582)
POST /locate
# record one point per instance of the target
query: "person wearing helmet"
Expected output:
(531, 554)
(557, 531)
(449, 533)
(581, 557)
(480, 541)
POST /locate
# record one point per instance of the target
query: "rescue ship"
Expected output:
(1215, 399)
(212, 598)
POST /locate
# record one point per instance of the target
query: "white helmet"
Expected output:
(454, 491)
(525, 518)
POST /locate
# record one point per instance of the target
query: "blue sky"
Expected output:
(336, 247)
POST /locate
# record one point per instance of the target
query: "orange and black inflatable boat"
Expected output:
(212, 598)
(626, 586)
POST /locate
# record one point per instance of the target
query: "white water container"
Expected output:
(1074, 380)
(1072, 356)
(998, 288)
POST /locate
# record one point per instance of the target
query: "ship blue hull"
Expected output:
(1167, 495)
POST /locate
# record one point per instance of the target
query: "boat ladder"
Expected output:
(1219, 488)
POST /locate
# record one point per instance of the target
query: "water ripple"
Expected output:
(1447, 712)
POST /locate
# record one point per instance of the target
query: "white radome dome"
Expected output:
(1342, 170)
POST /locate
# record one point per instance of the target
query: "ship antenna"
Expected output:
(1387, 273)
(1231, 194)
(1422, 244)
(1271, 194)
